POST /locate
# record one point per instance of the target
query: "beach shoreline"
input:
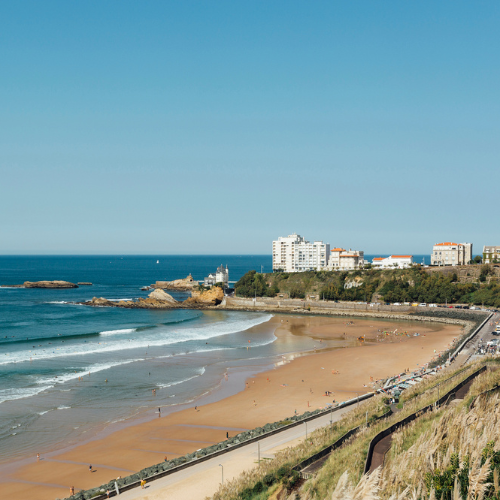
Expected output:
(296, 383)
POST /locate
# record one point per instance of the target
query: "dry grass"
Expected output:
(350, 458)
(421, 447)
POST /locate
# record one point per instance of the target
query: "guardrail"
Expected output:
(381, 435)
(199, 460)
(469, 338)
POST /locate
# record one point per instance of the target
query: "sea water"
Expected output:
(67, 370)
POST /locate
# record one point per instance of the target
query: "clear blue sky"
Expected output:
(215, 127)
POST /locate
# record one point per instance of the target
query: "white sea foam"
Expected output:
(232, 323)
(62, 407)
(43, 412)
(15, 393)
(117, 332)
(46, 383)
(201, 371)
(98, 367)
(57, 302)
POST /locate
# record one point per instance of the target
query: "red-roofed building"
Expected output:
(451, 254)
(393, 261)
(345, 260)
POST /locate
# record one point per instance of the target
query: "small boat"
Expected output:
(157, 261)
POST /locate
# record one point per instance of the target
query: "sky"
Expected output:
(215, 127)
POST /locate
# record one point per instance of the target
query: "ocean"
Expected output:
(69, 371)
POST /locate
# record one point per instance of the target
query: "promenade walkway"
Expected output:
(202, 480)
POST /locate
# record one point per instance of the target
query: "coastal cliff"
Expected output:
(211, 297)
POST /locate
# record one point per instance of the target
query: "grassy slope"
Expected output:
(466, 284)
(349, 458)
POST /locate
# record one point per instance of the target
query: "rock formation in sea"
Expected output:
(186, 283)
(44, 284)
(159, 299)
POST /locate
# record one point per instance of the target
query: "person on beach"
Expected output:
(90, 468)
(38, 457)
(159, 410)
(143, 482)
(107, 493)
(71, 490)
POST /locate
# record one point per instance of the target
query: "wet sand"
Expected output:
(342, 363)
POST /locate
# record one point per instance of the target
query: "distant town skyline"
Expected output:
(215, 127)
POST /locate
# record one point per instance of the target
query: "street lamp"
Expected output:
(306, 429)
(220, 465)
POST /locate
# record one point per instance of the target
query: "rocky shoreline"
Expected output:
(159, 299)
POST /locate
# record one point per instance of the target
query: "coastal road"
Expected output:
(202, 480)
(484, 334)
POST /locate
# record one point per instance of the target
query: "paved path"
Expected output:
(484, 333)
(202, 480)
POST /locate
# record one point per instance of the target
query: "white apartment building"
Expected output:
(295, 254)
(345, 260)
(491, 255)
(451, 254)
(393, 261)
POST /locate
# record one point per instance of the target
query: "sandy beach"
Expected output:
(358, 352)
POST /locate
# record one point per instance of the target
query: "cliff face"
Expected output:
(212, 297)
(186, 283)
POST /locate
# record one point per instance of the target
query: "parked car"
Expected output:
(396, 304)
(422, 304)
(432, 305)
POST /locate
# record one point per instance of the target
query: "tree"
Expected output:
(252, 284)
(478, 259)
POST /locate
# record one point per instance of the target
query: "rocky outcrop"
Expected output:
(158, 299)
(161, 295)
(185, 284)
(84, 283)
(211, 297)
(44, 284)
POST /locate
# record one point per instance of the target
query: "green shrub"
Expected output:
(269, 479)
(259, 487)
